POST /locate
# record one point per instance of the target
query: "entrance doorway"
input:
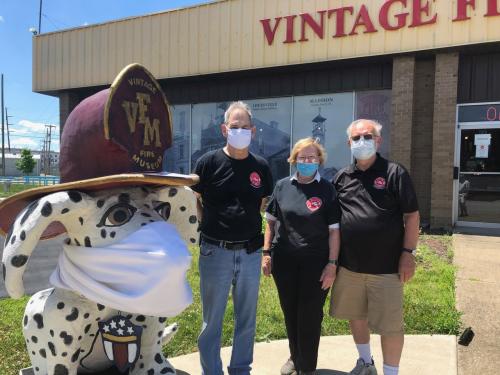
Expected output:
(477, 173)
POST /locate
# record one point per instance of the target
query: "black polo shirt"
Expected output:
(373, 203)
(304, 213)
(232, 191)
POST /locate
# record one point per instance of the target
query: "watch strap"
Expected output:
(335, 262)
(411, 251)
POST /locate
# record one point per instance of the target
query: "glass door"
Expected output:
(478, 198)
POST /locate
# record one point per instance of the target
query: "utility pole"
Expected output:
(3, 138)
(49, 139)
(40, 18)
(8, 131)
(43, 158)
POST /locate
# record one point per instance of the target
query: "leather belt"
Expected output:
(229, 245)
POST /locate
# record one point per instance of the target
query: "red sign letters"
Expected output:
(391, 15)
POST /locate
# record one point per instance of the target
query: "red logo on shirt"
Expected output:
(379, 183)
(255, 180)
(313, 204)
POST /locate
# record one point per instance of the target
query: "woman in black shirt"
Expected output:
(302, 231)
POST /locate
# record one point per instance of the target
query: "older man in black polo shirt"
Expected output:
(379, 229)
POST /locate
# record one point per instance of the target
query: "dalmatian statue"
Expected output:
(60, 325)
(127, 223)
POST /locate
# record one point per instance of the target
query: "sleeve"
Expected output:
(334, 212)
(199, 169)
(269, 181)
(406, 192)
(272, 208)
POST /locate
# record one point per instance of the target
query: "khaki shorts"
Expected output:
(376, 298)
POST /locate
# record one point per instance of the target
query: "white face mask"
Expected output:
(144, 273)
(363, 149)
(239, 138)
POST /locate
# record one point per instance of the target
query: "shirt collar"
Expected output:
(378, 165)
(317, 177)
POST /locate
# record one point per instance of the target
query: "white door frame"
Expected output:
(458, 130)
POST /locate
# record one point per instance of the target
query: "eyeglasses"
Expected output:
(309, 159)
(366, 137)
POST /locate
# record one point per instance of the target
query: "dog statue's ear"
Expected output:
(26, 230)
(182, 205)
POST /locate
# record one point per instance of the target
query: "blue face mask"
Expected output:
(307, 169)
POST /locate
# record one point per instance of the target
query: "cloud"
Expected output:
(2, 19)
(30, 134)
(24, 142)
(37, 127)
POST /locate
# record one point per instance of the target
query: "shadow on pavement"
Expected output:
(330, 372)
(318, 372)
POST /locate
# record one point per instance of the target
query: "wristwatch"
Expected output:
(335, 262)
(411, 251)
(266, 252)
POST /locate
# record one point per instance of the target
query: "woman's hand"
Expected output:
(266, 265)
(328, 276)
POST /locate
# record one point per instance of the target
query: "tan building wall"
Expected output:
(228, 35)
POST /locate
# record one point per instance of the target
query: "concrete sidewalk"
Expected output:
(478, 289)
(422, 355)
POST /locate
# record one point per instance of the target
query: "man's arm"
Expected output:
(407, 261)
(263, 204)
(199, 206)
(268, 239)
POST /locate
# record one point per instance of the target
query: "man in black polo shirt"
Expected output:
(379, 232)
(233, 184)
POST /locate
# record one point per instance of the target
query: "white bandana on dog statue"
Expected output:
(145, 273)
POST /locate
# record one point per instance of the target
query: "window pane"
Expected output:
(326, 118)
(272, 119)
(176, 160)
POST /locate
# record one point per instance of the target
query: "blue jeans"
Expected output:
(219, 270)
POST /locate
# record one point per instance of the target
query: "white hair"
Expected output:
(377, 127)
(237, 105)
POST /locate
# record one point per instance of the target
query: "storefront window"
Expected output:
(176, 160)
(272, 119)
(206, 132)
(325, 117)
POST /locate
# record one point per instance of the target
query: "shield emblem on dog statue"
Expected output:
(121, 340)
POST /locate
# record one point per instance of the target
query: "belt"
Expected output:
(229, 245)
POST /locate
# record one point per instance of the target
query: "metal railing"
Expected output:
(7, 181)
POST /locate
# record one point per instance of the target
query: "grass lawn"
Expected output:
(429, 308)
(15, 188)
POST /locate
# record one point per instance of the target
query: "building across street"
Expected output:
(429, 71)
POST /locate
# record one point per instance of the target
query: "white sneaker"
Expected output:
(363, 368)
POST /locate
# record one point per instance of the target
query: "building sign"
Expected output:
(479, 113)
(351, 20)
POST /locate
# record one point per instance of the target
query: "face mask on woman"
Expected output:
(239, 138)
(307, 169)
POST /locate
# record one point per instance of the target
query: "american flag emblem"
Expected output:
(121, 340)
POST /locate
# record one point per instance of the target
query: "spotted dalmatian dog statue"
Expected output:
(61, 326)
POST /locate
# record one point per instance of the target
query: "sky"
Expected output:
(31, 111)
